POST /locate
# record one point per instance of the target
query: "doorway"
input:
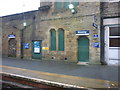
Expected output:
(112, 44)
(36, 49)
(12, 47)
(83, 49)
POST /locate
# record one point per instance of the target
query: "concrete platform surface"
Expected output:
(42, 70)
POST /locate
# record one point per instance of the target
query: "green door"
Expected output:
(83, 49)
(36, 49)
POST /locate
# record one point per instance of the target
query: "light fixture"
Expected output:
(24, 21)
(73, 11)
(72, 8)
(24, 24)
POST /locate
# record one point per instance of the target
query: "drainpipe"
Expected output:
(102, 49)
(22, 34)
(21, 43)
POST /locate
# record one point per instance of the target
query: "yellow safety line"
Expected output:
(60, 75)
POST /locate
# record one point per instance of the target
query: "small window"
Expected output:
(52, 40)
(66, 4)
(75, 2)
(58, 5)
(114, 42)
(114, 31)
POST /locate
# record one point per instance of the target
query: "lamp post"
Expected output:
(24, 21)
(21, 34)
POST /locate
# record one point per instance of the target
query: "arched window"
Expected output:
(61, 40)
(52, 39)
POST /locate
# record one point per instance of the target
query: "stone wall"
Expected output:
(39, 24)
(13, 24)
(111, 9)
(82, 20)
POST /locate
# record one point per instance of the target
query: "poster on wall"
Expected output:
(26, 45)
(36, 47)
(96, 44)
(95, 36)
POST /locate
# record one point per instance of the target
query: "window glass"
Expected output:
(58, 5)
(66, 4)
(114, 42)
(114, 31)
(75, 2)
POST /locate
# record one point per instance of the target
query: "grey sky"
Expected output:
(8, 7)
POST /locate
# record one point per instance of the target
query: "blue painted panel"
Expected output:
(96, 44)
(95, 36)
(26, 45)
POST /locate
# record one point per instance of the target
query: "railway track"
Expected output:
(9, 81)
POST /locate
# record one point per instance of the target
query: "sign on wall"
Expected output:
(82, 32)
(95, 25)
(26, 45)
(45, 48)
(11, 36)
(96, 44)
(36, 47)
(95, 35)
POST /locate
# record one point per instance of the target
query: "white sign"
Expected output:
(82, 32)
(95, 36)
(11, 36)
(36, 50)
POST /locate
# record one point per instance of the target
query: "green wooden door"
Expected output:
(83, 49)
(36, 49)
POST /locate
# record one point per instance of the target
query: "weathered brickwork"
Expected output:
(111, 9)
(13, 24)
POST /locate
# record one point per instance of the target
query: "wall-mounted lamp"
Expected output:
(24, 21)
(72, 8)
(24, 24)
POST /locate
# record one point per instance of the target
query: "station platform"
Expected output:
(66, 75)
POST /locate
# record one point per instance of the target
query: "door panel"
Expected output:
(12, 48)
(36, 49)
(114, 43)
(114, 53)
(83, 49)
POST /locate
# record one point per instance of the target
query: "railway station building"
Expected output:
(80, 32)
